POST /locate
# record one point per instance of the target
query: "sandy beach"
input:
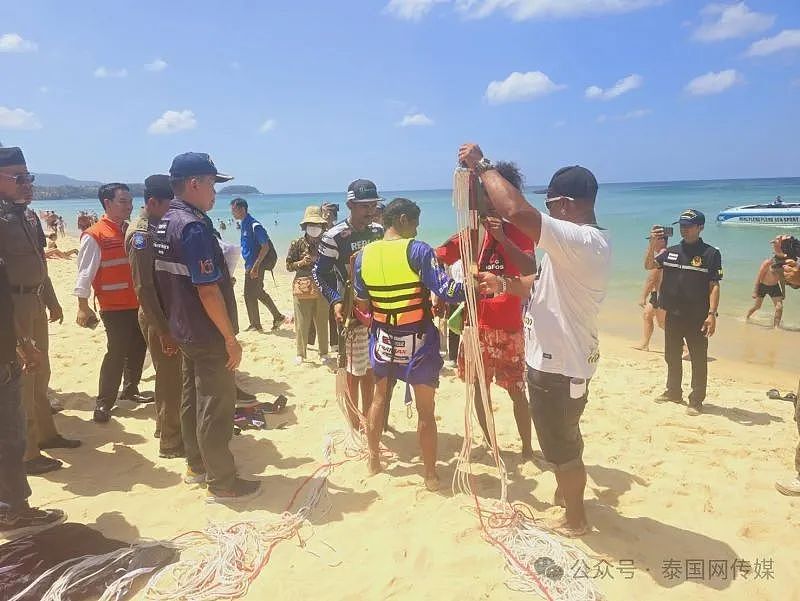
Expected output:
(663, 486)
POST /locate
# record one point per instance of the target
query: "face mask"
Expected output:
(314, 231)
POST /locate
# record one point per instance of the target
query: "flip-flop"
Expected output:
(773, 393)
(567, 532)
(790, 396)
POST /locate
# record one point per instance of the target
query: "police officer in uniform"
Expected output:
(21, 247)
(197, 293)
(153, 320)
(690, 296)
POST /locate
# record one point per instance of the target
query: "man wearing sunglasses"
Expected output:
(561, 343)
(22, 249)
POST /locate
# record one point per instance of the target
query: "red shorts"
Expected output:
(503, 358)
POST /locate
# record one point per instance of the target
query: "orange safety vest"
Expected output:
(113, 284)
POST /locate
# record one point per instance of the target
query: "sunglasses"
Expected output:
(21, 179)
(549, 201)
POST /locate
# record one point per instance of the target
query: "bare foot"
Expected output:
(375, 466)
(432, 483)
(642, 347)
(567, 530)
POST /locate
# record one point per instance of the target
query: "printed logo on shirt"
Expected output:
(451, 289)
(547, 356)
(139, 241)
(356, 246)
(672, 256)
(527, 321)
(206, 266)
(697, 261)
(594, 356)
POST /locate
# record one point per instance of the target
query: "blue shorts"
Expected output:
(409, 353)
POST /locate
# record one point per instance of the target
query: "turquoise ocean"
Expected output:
(627, 210)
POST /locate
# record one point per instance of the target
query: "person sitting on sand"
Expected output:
(769, 281)
(53, 252)
(393, 279)
(652, 313)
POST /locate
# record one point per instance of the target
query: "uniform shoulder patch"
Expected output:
(138, 240)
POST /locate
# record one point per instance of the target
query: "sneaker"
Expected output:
(450, 364)
(667, 397)
(193, 477)
(15, 524)
(59, 442)
(42, 465)
(298, 360)
(324, 358)
(254, 328)
(240, 491)
(172, 453)
(102, 415)
(789, 487)
(278, 322)
(137, 398)
(694, 410)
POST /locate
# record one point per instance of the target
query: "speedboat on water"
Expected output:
(776, 213)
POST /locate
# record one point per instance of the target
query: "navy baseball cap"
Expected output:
(11, 156)
(191, 164)
(575, 181)
(158, 186)
(691, 217)
(362, 190)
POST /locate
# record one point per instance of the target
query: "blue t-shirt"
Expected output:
(254, 236)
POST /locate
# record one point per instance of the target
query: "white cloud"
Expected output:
(13, 42)
(727, 21)
(713, 82)
(410, 10)
(637, 114)
(523, 10)
(156, 66)
(173, 121)
(268, 125)
(519, 87)
(102, 72)
(626, 84)
(417, 119)
(785, 40)
(18, 119)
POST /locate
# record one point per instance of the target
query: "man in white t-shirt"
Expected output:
(561, 343)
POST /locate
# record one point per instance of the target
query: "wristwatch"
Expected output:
(714, 313)
(482, 166)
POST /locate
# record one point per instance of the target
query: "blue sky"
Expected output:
(306, 96)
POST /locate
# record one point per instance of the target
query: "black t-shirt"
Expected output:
(688, 269)
(8, 339)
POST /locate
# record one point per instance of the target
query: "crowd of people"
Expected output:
(364, 285)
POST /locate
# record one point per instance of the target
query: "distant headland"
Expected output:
(50, 186)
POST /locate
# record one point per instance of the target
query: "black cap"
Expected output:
(362, 190)
(575, 181)
(191, 164)
(691, 217)
(11, 156)
(158, 186)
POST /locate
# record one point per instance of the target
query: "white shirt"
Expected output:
(561, 318)
(88, 264)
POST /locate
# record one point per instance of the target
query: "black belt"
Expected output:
(37, 290)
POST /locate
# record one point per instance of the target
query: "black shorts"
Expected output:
(653, 300)
(556, 417)
(773, 291)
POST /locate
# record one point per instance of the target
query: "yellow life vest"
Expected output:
(396, 292)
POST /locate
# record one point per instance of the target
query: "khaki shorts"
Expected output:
(357, 350)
